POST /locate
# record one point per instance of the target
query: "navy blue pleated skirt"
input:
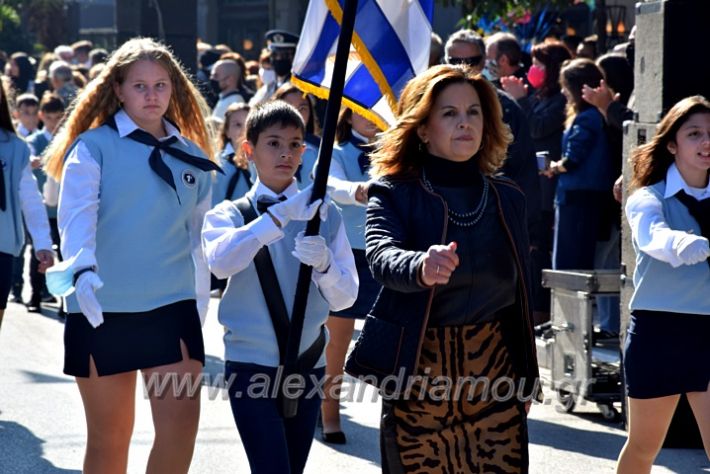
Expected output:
(666, 354)
(367, 292)
(132, 341)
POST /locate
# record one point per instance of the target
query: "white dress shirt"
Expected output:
(648, 224)
(230, 250)
(79, 204)
(344, 191)
(220, 108)
(34, 211)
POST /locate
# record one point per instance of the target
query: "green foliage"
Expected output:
(507, 10)
(12, 37)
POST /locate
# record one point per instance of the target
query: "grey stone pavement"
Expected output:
(42, 424)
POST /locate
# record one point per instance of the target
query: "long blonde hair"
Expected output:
(98, 101)
(397, 149)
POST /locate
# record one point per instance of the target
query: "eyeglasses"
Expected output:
(470, 61)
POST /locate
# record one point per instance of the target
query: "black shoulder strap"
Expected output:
(269, 283)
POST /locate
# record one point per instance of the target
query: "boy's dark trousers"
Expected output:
(273, 444)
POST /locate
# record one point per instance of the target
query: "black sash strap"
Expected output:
(700, 210)
(275, 301)
(3, 204)
(156, 160)
(235, 178)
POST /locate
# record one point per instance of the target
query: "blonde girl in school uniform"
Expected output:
(132, 160)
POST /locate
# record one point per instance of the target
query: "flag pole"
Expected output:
(290, 403)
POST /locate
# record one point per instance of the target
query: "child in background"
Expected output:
(26, 114)
(237, 179)
(51, 112)
(302, 102)
(19, 200)
(269, 223)
(349, 176)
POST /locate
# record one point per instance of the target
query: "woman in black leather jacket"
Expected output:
(449, 339)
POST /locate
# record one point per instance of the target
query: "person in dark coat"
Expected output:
(446, 237)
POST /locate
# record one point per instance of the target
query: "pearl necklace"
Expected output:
(460, 219)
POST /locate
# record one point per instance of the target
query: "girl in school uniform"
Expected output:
(237, 179)
(349, 176)
(19, 198)
(135, 184)
(237, 237)
(302, 102)
(666, 351)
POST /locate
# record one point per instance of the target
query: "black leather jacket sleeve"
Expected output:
(392, 266)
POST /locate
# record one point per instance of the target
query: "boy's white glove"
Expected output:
(692, 249)
(296, 208)
(313, 251)
(86, 286)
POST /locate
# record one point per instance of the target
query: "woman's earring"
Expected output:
(422, 146)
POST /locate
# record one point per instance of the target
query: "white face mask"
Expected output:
(267, 76)
(490, 71)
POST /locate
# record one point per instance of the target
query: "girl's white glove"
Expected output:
(86, 286)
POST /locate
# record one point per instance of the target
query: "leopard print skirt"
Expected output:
(464, 415)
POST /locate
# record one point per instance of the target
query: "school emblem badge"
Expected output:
(189, 179)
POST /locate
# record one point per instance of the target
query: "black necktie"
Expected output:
(264, 202)
(700, 210)
(156, 160)
(3, 205)
(235, 178)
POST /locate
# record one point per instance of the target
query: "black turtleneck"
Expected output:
(485, 281)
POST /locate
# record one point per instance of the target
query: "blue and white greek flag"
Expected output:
(390, 45)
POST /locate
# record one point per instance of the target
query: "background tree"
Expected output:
(46, 20)
(12, 36)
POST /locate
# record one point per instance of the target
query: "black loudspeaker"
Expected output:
(670, 61)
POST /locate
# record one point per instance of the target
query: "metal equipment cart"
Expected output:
(582, 366)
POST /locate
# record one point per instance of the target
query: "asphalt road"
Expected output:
(42, 425)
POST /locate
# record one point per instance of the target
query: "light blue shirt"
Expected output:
(129, 222)
(230, 247)
(658, 220)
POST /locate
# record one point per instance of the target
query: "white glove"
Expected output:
(692, 249)
(296, 208)
(313, 251)
(86, 286)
